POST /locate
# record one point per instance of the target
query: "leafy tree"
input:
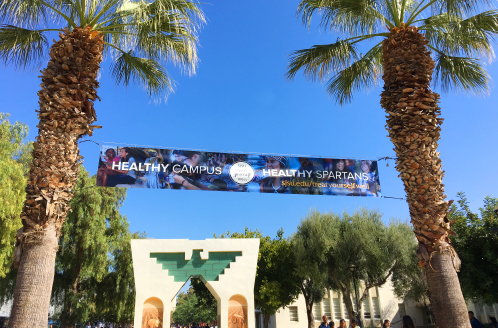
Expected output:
(327, 245)
(94, 269)
(310, 245)
(115, 300)
(418, 292)
(404, 32)
(204, 296)
(379, 253)
(276, 284)
(14, 158)
(476, 243)
(188, 310)
(94, 273)
(139, 36)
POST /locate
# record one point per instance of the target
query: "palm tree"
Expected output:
(139, 36)
(412, 41)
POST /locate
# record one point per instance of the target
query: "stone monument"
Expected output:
(226, 266)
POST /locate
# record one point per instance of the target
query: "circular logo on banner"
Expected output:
(241, 173)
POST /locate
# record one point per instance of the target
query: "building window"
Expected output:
(376, 307)
(491, 311)
(479, 309)
(366, 309)
(337, 309)
(345, 310)
(326, 308)
(293, 314)
(317, 312)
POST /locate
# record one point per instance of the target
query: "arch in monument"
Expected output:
(237, 312)
(152, 313)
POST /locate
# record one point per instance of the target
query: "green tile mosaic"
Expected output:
(209, 269)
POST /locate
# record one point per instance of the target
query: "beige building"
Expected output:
(380, 304)
(483, 312)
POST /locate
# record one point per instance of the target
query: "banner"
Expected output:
(133, 167)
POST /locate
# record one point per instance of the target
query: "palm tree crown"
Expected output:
(459, 36)
(457, 39)
(140, 36)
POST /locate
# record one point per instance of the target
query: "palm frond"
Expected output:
(145, 71)
(140, 11)
(320, 61)
(26, 13)
(21, 47)
(175, 48)
(469, 37)
(32, 14)
(393, 11)
(362, 74)
(409, 7)
(188, 9)
(93, 9)
(486, 21)
(104, 10)
(169, 39)
(406, 8)
(67, 7)
(143, 34)
(460, 73)
(154, 32)
(439, 20)
(458, 7)
(354, 17)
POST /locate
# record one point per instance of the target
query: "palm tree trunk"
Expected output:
(66, 112)
(32, 292)
(443, 274)
(413, 123)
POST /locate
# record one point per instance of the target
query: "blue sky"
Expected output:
(240, 101)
